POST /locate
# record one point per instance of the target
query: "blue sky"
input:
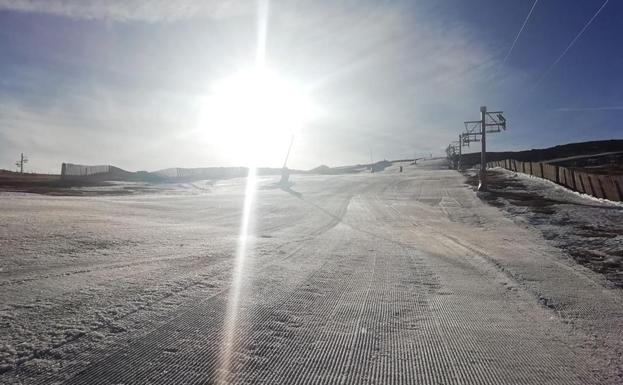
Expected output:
(122, 82)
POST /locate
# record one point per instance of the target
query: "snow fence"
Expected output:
(92, 173)
(598, 185)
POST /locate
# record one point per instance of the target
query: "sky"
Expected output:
(130, 83)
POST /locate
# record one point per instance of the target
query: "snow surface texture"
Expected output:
(588, 228)
(372, 278)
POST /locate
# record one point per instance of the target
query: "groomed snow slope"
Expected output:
(396, 278)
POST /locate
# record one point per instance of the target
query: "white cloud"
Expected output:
(131, 10)
(385, 78)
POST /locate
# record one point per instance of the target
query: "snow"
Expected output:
(84, 278)
(551, 190)
(590, 229)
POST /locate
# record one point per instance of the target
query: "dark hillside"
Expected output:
(556, 152)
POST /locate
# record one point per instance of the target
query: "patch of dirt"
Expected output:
(568, 226)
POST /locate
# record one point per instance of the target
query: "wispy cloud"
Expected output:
(604, 108)
(131, 10)
(385, 77)
(97, 125)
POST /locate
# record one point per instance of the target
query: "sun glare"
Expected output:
(253, 114)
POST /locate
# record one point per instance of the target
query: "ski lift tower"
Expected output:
(476, 131)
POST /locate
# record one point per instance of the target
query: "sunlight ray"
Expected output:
(244, 246)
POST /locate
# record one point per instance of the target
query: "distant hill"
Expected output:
(76, 172)
(326, 170)
(549, 154)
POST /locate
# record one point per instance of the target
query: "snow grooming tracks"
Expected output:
(186, 349)
(367, 298)
(354, 309)
(318, 228)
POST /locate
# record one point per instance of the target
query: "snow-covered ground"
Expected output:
(368, 278)
(588, 228)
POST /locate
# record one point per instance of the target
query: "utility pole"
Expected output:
(483, 154)
(20, 163)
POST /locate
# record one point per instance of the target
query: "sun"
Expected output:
(252, 116)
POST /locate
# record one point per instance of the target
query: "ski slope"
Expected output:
(384, 278)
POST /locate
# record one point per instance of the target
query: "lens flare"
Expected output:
(243, 251)
(245, 238)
